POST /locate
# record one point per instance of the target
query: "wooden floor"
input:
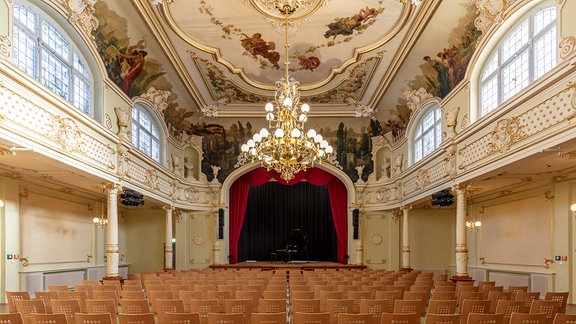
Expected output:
(294, 265)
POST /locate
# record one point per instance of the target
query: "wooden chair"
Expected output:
(443, 295)
(229, 318)
(416, 295)
(187, 295)
(113, 283)
(271, 305)
(357, 296)
(508, 307)
(528, 297)
(253, 295)
(103, 306)
(338, 306)
(130, 288)
(305, 305)
(311, 318)
(484, 318)
(376, 307)
(181, 318)
(91, 282)
(473, 306)
(134, 306)
(564, 318)
(242, 306)
(482, 285)
(144, 318)
(11, 318)
(549, 307)
(203, 307)
(445, 307)
(164, 306)
(80, 296)
(89, 289)
(359, 318)
(132, 282)
(268, 318)
(68, 307)
(153, 296)
(470, 295)
(442, 318)
(562, 297)
(523, 318)
(300, 295)
(389, 295)
(57, 318)
(93, 318)
(495, 296)
(490, 289)
(409, 306)
(400, 318)
(12, 296)
(221, 296)
(106, 294)
(47, 297)
(58, 288)
(446, 288)
(26, 307)
(129, 294)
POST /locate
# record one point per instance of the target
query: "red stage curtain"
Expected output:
(338, 202)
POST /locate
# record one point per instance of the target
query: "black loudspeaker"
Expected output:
(443, 198)
(355, 222)
(220, 223)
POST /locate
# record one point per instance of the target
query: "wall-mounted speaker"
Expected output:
(221, 223)
(355, 222)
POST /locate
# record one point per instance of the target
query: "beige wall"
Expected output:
(145, 235)
(432, 239)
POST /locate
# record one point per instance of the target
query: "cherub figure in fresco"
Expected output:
(256, 46)
(345, 26)
(308, 63)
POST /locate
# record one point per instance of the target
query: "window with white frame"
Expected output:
(145, 134)
(45, 52)
(428, 133)
(526, 53)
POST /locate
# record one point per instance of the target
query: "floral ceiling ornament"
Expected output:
(211, 110)
(360, 110)
(81, 12)
(489, 13)
(415, 98)
(157, 98)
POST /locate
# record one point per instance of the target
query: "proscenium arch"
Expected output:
(222, 249)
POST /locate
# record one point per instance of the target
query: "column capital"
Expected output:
(168, 207)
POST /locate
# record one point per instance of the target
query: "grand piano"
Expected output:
(295, 247)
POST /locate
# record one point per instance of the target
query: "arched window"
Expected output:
(45, 52)
(145, 134)
(526, 53)
(428, 133)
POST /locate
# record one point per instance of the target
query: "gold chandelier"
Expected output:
(287, 148)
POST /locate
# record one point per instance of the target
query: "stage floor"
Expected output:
(300, 265)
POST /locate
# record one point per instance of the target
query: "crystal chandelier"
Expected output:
(474, 224)
(102, 220)
(287, 148)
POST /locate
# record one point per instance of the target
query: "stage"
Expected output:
(293, 265)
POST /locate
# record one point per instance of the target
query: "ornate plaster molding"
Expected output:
(489, 13)
(415, 98)
(5, 46)
(567, 47)
(158, 98)
(81, 12)
(506, 132)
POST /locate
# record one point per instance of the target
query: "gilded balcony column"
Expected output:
(112, 249)
(168, 252)
(406, 238)
(461, 236)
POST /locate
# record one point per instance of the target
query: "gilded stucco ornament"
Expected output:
(158, 98)
(123, 163)
(123, 117)
(152, 180)
(383, 194)
(415, 98)
(489, 13)
(450, 162)
(451, 116)
(5, 45)
(422, 179)
(507, 132)
(69, 135)
(567, 47)
(212, 110)
(192, 194)
(81, 12)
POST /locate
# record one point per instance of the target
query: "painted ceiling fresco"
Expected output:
(218, 61)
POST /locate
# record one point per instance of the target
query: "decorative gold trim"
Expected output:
(547, 263)
(25, 261)
(567, 46)
(5, 45)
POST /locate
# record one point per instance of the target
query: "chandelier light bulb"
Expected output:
(251, 143)
(269, 116)
(311, 133)
(279, 132)
(321, 153)
(324, 144)
(303, 118)
(269, 107)
(244, 148)
(295, 133)
(477, 223)
(96, 220)
(264, 133)
(329, 150)
(305, 108)
(253, 151)
(318, 138)
(287, 102)
(257, 137)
